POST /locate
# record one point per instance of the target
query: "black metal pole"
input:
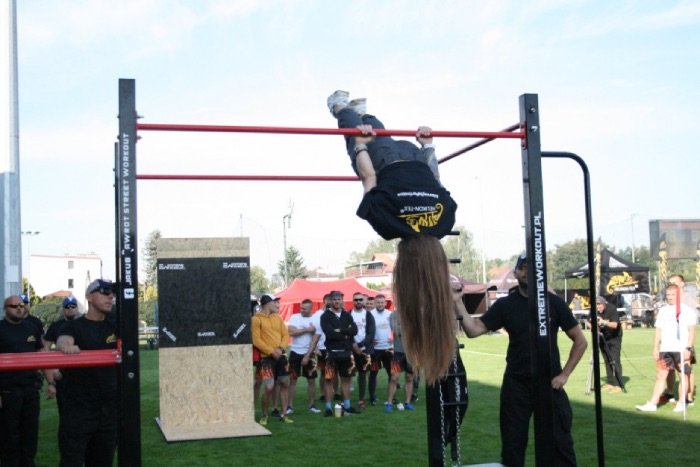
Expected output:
(538, 300)
(591, 291)
(127, 276)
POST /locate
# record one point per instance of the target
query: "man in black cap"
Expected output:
(19, 390)
(87, 429)
(339, 329)
(518, 388)
(70, 312)
(610, 343)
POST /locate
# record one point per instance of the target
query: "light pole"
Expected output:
(481, 233)
(29, 234)
(632, 229)
(286, 223)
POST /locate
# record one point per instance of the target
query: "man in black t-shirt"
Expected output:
(518, 388)
(610, 334)
(19, 390)
(87, 432)
(70, 312)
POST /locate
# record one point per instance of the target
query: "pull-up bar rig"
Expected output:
(127, 256)
(485, 135)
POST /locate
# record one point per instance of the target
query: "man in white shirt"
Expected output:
(689, 297)
(364, 340)
(673, 343)
(302, 362)
(383, 344)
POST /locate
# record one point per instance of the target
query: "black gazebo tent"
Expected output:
(617, 275)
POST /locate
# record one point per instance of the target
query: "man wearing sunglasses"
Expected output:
(87, 430)
(70, 312)
(19, 390)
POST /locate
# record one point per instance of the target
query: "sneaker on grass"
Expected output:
(408, 406)
(328, 413)
(678, 408)
(648, 407)
(314, 409)
(286, 420)
(263, 421)
(388, 407)
(289, 411)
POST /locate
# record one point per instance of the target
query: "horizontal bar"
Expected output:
(284, 178)
(476, 145)
(321, 131)
(56, 359)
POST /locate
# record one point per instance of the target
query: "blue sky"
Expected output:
(617, 84)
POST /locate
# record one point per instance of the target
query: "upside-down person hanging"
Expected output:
(403, 198)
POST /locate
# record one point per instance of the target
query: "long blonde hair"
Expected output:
(425, 305)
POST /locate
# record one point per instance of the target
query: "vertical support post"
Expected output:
(129, 430)
(538, 301)
(436, 438)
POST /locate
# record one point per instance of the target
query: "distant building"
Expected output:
(379, 270)
(63, 275)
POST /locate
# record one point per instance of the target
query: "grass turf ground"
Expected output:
(632, 438)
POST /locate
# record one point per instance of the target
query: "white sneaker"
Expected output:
(289, 411)
(648, 407)
(678, 407)
(359, 106)
(338, 98)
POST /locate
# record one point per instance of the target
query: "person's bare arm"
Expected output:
(363, 162)
(473, 327)
(66, 344)
(575, 354)
(425, 138)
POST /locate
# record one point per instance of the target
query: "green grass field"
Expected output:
(632, 438)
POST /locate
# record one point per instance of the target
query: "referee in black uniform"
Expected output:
(87, 431)
(19, 390)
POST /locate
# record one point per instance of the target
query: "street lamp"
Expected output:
(286, 223)
(481, 233)
(632, 228)
(29, 234)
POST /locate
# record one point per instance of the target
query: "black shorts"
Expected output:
(296, 369)
(339, 364)
(400, 364)
(271, 369)
(408, 201)
(363, 361)
(382, 358)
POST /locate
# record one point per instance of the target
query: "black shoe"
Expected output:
(328, 413)
(394, 401)
(414, 397)
(322, 398)
(351, 410)
(338, 397)
(373, 401)
(275, 413)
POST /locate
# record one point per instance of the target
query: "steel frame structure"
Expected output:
(127, 255)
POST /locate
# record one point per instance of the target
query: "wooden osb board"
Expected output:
(207, 392)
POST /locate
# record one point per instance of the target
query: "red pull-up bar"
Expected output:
(321, 131)
(42, 360)
(276, 178)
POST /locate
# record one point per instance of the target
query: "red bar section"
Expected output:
(321, 131)
(41, 360)
(283, 178)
